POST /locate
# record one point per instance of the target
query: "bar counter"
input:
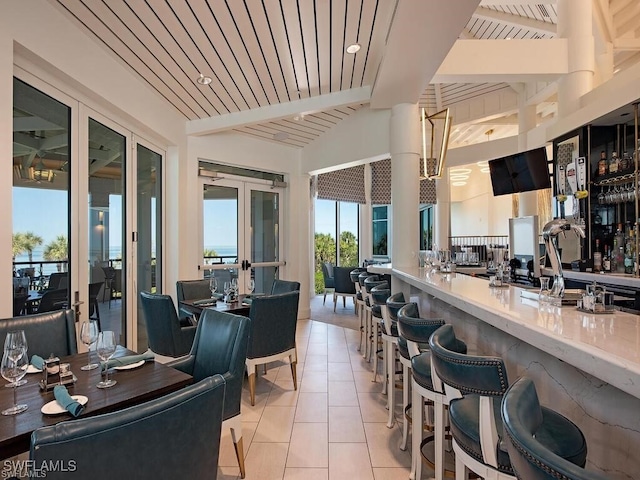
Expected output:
(585, 366)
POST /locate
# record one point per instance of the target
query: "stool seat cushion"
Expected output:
(557, 433)
(402, 348)
(376, 311)
(359, 296)
(367, 302)
(394, 328)
(421, 368)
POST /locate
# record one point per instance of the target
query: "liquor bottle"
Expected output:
(625, 163)
(597, 257)
(602, 163)
(629, 252)
(614, 163)
(606, 261)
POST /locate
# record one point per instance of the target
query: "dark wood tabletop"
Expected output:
(135, 386)
(237, 308)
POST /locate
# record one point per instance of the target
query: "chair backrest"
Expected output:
(415, 330)
(163, 326)
(220, 347)
(127, 443)
(19, 301)
(530, 459)
(394, 303)
(273, 324)
(58, 280)
(53, 300)
(327, 270)
(363, 276)
(46, 333)
(342, 280)
(284, 286)
(193, 289)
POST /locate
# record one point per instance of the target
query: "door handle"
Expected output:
(76, 304)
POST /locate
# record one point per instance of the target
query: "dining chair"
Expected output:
(327, 277)
(273, 334)
(53, 300)
(166, 336)
(19, 303)
(94, 309)
(174, 436)
(58, 280)
(47, 333)
(284, 286)
(191, 290)
(220, 347)
(344, 287)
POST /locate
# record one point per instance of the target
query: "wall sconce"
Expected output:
(436, 144)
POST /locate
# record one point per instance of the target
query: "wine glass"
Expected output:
(106, 348)
(13, 368)
(251, 285)
(89, 336)
(234, 286)
(213, 285)
(227, 290)
(16, 342)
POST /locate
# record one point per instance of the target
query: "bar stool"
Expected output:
(417, 331)
(389, 334)
(379, 296)
(522, 415)
(363, 312)
(359, 301)
(475, 387)
(370, 326)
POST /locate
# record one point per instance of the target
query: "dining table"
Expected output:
(239, 307)
(134, 385)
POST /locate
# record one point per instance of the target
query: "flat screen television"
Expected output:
(522, 172)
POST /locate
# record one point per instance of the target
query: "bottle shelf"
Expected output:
(614, 179)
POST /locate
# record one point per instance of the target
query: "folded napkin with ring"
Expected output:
(62, 396)
(37, 362)
(129, 360)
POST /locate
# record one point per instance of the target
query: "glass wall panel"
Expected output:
(41, 164)
(264, 228)
(348, 243)
(380, 230)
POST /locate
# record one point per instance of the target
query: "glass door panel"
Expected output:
(149, 231)
(41, 192)
(221, 236)
(264, 246)
(106, 162)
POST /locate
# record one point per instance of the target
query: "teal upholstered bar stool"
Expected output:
(373, 311)
(475, 386)
(379, 296)
(416, 331)
(363, 313)
(359, 300)
(389, 334)
(522, 417)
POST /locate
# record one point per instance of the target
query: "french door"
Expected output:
(241, 224)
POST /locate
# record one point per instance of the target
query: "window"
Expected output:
(380, 230)
(426, 228)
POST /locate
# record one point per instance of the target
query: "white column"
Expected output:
(442, 220)
(528, 201)
(405, 183)
(575, 20)
(6, 180)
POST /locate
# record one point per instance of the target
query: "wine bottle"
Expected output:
(602, 163)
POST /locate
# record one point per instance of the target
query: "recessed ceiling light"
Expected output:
(299, 117)
(459, 184)
(280, 136)
(483, 164)
(353, 48)
(202, 80)
(484, 170)
(459, 177)
(459, 171)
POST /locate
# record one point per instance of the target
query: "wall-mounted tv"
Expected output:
(521, 172)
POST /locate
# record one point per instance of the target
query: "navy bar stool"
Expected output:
(522, 416)
(379, 296)
(369, 283)
(389, 329)
(475, 387)
(359, 300)
(363, 313)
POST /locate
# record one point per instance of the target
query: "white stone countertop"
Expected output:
(606, 346)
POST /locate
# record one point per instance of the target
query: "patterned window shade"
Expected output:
(342, 185)
(381, 185)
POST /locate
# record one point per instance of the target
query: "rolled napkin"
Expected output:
(74, 407)
(129, 359)
(205, 302)
(249, 298)
(37, 361)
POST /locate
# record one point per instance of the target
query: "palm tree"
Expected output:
(17, 244)
(208, 253)
(57, 250)
(29, 242)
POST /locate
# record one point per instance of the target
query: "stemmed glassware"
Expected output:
(89, 336)
(251, 285)
(213, 285)
(234, 286)
(13, 369)
(227, 291)
(106, 348)
(16, 341)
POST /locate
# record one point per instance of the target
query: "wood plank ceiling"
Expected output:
(264, 52)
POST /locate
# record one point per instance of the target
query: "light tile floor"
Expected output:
(333, 427)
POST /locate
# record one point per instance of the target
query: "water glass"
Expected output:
(16, 342)
(106, 348)
(213, 285)
(13, 369)
(251, 285)
(89, 336)
(543, 296)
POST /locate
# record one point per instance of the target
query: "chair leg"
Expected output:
(264, 368)
(325, 297)
(236, 436)
(252, 387)
(416, 433)
(294, 375)
(391, 391)
(438, 433)
(335, 300)
(405, 402)
(385, 369)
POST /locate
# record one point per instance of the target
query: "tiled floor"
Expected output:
(333, 427)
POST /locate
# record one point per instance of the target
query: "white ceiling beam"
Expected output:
(604, 20)
(516, 2)
(438, 92)
(531, 24)
(626, 44)
(508, 61)
(423, 31)
(542, 95)
(616, 5)
(276, 112)
(466, 34)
